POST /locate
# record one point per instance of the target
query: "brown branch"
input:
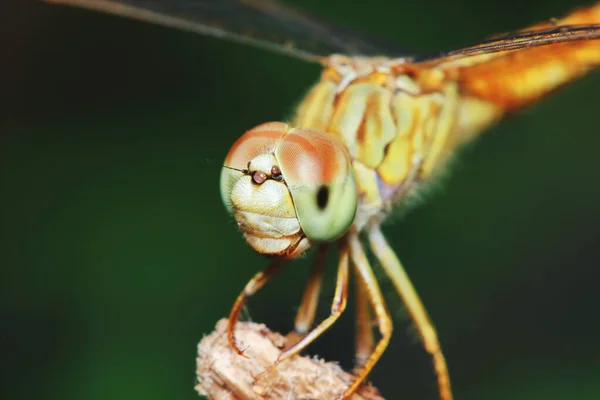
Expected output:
(224, 375)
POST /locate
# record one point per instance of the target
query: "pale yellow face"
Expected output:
(288, 188)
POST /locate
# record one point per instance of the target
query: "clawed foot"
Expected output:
(267, 371)
(240, 352)
(344, 396)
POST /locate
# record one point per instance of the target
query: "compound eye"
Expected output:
(261, 139)
(318, 172)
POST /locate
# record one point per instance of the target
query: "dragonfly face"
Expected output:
(288, 187)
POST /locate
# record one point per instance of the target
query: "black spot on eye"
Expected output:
(322, 197)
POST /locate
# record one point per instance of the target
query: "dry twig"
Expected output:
(224, 375)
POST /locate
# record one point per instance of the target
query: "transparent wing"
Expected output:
(260, 23)
(495, 47)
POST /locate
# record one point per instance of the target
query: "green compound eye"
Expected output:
(318, 172)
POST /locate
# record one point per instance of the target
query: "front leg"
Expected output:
(306, 312)
(257, 282)
(338, 306)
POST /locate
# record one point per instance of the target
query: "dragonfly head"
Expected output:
(288, 188)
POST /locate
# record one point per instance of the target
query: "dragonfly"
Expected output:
(373, 131)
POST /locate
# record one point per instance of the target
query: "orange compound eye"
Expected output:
(318, 172)
(261, 139)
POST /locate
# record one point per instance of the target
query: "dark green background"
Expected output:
(117, 255)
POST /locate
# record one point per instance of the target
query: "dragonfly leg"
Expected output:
(367, 277)
(306, 312)
(337, 308)
(257, 282)
(365, 340)
(391, 264)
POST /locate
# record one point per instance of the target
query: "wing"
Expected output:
(259, 23)
(508, 73)
(523, 41)
(577, 27)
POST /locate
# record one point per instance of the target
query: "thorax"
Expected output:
(395, 119)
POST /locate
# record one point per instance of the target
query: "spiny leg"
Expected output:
(337, 308)
(364, 326)
(306, 312)
(391, 264)
(257, 282)
(384, 322)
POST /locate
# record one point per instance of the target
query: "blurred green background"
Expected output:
(116, 254)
